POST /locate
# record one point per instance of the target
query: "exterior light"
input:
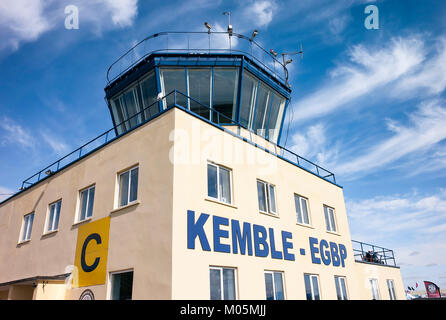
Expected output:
(48, 172)
(274, 53)
(254, 33)
(288, 61)
(208, 26)
(230, 30)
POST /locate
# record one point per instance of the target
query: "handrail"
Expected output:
(111, 135)
(365, 252)
(145, 54)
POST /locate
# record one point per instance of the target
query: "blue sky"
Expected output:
(369, 105)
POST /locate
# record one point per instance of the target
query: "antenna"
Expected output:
(286, 62)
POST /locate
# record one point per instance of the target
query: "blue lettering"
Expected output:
(260, 240)
(343, 253)
(314, 250)
(219, 233)
(195, 229)
(287, 245)
(325, 254)
(274, 254)
(334, 254)
(242, 239)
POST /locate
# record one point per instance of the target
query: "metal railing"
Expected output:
(364, 252)
(196, 42)
(215, 117)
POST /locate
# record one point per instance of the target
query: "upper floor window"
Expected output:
(330, 220)
(128, 186)
(53, 216)
(391, 288)
(274, 285)
(374, 288)
(341, 288)
(312, 287)
(219, 183)
(267, 197)
(86, 203)
(302, 209)
(27, 226)
(222, 283)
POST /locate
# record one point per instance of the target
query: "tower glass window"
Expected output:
(173, 79)
(222, 283)
(149, 96)
(224, 94)
(199, 82)
(248, 98)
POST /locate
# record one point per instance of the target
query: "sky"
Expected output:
(367, 104)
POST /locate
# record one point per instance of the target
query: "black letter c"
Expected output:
(85, 266)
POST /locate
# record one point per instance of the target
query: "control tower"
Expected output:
(189, 195)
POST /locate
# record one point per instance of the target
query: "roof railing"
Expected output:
(369, 253)
(197, 42)
(216, 118)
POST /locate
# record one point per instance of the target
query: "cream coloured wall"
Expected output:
(191, 280)
(50, 291)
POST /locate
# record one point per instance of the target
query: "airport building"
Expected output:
(190, 194)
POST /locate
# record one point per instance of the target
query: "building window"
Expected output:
(222, 282)
(391, 288)
(128, 186)
(374, 288)
(302, 209)
(267, 197)
(27, 227)
(121, 285)
(173, 79)
(53, 216)
(274, 285)
(330, 219)
(341, 288)
(224, 94)
(219, 183)
(312, 287)
(86, 203)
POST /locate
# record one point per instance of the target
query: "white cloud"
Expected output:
(427, 128)
(26, 20)
(5, 193)
(55, 143)
(15, 134)
(261, 13)
(367, 70)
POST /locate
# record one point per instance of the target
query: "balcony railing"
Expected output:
(370, 253)
(215, 118)
(197, 42)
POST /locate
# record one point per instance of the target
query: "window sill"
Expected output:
(23, 242)
(81, 222)
(305, 225)
(269, 214)
(220, 202)
(128, 205)
(334, 233)
(49, 232)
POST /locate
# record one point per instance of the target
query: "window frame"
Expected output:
(373, 281)
(266, 189)
(79, 211)
(221, 268)
(345, 294)
(300, 198)
(110, 281)
(219, 193)
(311, 275)
(272, 272)
(129, 170)
(329, 227)
(26, 229)
(48, 217)
(392, 293)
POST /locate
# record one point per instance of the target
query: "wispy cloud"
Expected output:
(5, 193)
(26, 20)
(56, 144)
(367, 70)
(15, 134)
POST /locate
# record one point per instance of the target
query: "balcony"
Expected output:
(368, 253)
(217, 119)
